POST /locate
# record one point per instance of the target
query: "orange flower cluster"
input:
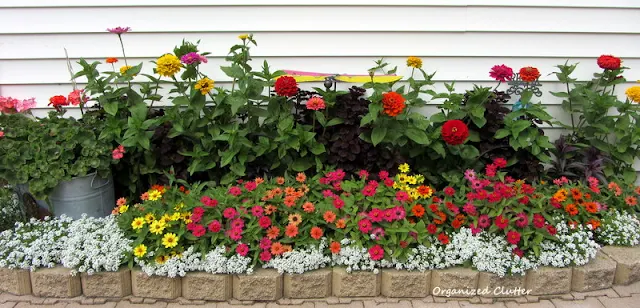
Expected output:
(393, 103)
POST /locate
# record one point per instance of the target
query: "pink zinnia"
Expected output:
(237, 223)
(235, 191)
(501, 73)
(327, 193)
(470, 175)
(383, 175)
(501, 222)
(119, 30)
(265, 243)
(214, 226)
(449, 191)
(399, 213)
(77, 97)
(193, 57)
(250, 186)
(388, 182)
(484, 221)
(469, 208)
(378, 233)
(364, 174)
(265, 256)
(229, 213)
(242, 249)
(315, 103)
(338, 203)
(369, 191)
(235, 234)
(25, 105)
(364, 225)
(402, 196)
(376, 253)
(538, 221)
(389, 215)
(198, 231)
(376, 215)
(257, 211)
(264, 222)
(522, 221)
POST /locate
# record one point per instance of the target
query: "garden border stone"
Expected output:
(493, 285)
(262, 285)
(628, 263)
(598, 274)
(313, 284)
(395, 283)
(219, 287)
(55, 282)
(355, 284)
(15, 281)
(107, 284)
(549, 280)
(455, 278)
(160, 287)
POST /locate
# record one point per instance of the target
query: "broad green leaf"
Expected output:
(377, 134)
(418, 136)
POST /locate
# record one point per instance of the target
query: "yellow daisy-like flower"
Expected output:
(170, 240)
(404, 168)
(138, 223)
(402, 178)
(633, 94)
(149, 218)
(162, 259)
(420, 178)
(175, 216)
(412, 180)
(179, 206)
(124, 69)
(205, 85)
(395, 185)
(168, 65)
(185, 215)
(414, 62)
(154, 195)
(414, 195)
(187, 221)
(295, 219)
(243, 36)
(157, 227)
(140, 251)
(123, 209)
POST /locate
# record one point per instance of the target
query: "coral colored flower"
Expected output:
(454, 132)
(277, 249)
(329, 216)
(443, 238)
(119, 30)
(609, 62)
(571, 209)
(112, 60)
(308, 207)
(286, 86)
(364, 226)
(334, 247)
(591, 207)
(414, 62)
(529, 74)
(235, 191)
(242, 249)
(393, 103)
(315, 103)
(301, 177)
(291, 230)
(631, 200)
(205, 85)
(501, 222)
(168, 65)
(633, 94)
(118, 153)
(376, 253)
(273, 232)
(513, 237)
(341, 223)
(77, 97)
(417, 210)
(501, 73)
(316, 233)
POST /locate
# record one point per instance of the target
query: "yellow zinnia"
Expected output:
(404, 168)
(140, 251)
(205, 85)
(178, 206)
(124, 69)
(149, 218)
(162, 259)
(123, 209)
(243, 36)
(412, 180)
(414, 62)
(175, 216)
(170, 240)
(138, 223)
(156, 227)
(168, 65)
(154, 195)
(633, 94)
(402, 178)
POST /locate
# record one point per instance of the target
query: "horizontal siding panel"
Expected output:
(322, 18)
(322, 44)
(146, 3)
(446, 68)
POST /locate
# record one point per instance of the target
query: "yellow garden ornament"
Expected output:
(301, 76)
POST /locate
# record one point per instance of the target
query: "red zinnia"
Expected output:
(57, 101)
(609, 62)
(529, 74)
(443, 238)
(393, 103)
(501, 73)
(454, 132)
(112, 60)
(501, 222)
(513, 237)
(286, 86)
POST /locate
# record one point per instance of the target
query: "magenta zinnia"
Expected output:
(119, 30)
(501, 73)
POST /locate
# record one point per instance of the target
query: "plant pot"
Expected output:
(89, 194)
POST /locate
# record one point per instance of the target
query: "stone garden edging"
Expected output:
(612, 265)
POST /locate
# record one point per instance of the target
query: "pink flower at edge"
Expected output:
(257, 211)
(229, 213)
(214, 226)
(242, 249)
(118, 153)
(235, 191)
(316, 103)
(119, 30)
(193, 57)
(198, 231)
(77, 97)
(364, 225)
(25, 104)
(1, 134)
(376, 253)
(501, 73)
(265, 243)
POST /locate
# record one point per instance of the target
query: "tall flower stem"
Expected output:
(122, 46)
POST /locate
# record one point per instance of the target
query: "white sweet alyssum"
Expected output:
(10, 209)
(619, 228)
(215, 262)
(301, 260)
(574, 247)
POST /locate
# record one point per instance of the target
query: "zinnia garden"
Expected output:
(268, 171)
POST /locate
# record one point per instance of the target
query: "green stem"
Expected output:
(154, 94)
(573, 127)
(122, 46)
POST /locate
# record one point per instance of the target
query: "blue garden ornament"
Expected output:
(517, 106)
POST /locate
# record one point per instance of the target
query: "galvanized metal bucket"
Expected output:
(90, 194)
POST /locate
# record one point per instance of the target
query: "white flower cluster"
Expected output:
(299, 261)
(495, 255)
(94, 245)
(354, 258)
(34, 244)
(11, 210)
(622, 229)
(574, 247)
(215, 262)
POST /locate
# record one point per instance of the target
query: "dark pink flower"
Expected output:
(338, 203)
(119, 30)
(265, 256)
(235, 234)
(376, 253)
(383, 175)
(229, 213)
(522, 221)
(501, 73)
(214, 226)
(242, 249)
(264, 222)
(513, 237)
(402, 196)
(250, 186)
(376, 215)
(484, 221)
(501, 222)
(235, 191)
(199, 231)
(518, 252)
(449, 191)
(193, 58)
(538, 221)
(265, 243)
(364, 225)
(257, 211)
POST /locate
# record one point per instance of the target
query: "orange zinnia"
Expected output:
(308, 207)
(273, 232)
(316, 233)
(159, 188)
(637, 190)
(280, 180)
(560, 195)
(571, 209)
(289, 191)
(270, 209)
(529, 74)
(576, 194)
(418, 210)
(591, 207)
(335, 247)
(329, 216)
(341, 223)
(277, 249)
(277, 191)
(594, 223)
(443, 218)
(112, 60)
(290, 201)
(631, 200)
(291, 230)
(393, 103)
(259, 180)
(287, 248)
(295, 219)
(301, 177)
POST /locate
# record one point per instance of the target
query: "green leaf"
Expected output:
(111, 108)
(469, 152)
(317, 148)
(335, 121)
(302, 164)
(236, 101)
(438, 147)
(139, 111)
(377, 134)
(233, 71)
(321, 119)
(418, 136)
(501, 133)
(519, 126)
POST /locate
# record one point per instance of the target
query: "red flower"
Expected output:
(500, 162)
(609, 62)
(552, 230)
(393, 103)
(57, 101)
(513, 237)
(449, 191)
(501, 73)
(529, 74)
(443, 238)
(431, 228)
(286, 86)
(242, 249)
(316, 233)
(538, 221)
(454, 132)
(376, 253)
(501, 222)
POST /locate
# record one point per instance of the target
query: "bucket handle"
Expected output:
(103, 185)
